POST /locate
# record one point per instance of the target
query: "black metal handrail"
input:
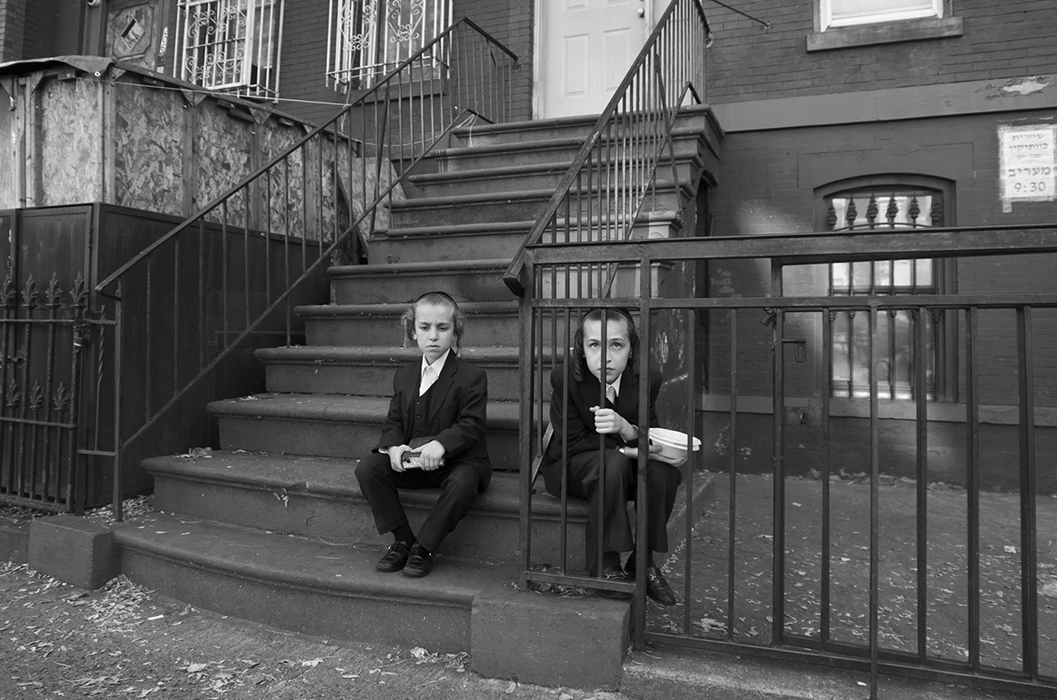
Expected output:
(241, 257)
(603, 191)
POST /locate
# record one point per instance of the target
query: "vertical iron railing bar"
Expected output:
(536, 402)
(6, 297)
(922, 440)
(525, 316)
(1029, 574)
(118, 412)
(827, 512)
(224, 292)
(29, 303)
(603, 475)
(778, 477)
(266, 234)
(566, 372)
(176, 314)
(77, 477)
(245, 259)
(892, 313)
(203, 298)
(53, 306)
(972, 426)
(148, 384)
(691, 463)
(732, 467)
(642, 505)
(287, 325)
(875, 501)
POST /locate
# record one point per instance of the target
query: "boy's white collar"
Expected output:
(438, 365)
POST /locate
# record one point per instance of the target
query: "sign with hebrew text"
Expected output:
(1028, 166)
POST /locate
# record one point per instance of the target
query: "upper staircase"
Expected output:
(272, 526)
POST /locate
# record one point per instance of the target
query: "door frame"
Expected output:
(539, 61)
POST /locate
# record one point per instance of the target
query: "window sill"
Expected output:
(887, 33)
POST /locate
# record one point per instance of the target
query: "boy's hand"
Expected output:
(431, 455)
(655, 453)
(395, 453)
(609, 421)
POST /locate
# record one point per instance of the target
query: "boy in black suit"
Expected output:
(584, 416)
(439, 406)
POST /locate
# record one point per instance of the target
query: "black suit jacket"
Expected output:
(457, 417)
(581, 422)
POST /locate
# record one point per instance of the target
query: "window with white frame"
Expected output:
(879, 207)
(850, 13)
(369, 38)
(231, 45)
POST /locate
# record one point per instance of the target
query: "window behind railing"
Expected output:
(873, 208)
(368, 39)
(231, 45)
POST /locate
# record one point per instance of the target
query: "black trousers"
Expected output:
(459, 483)
(662, 483)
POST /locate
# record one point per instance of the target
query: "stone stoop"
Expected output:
(272, 526)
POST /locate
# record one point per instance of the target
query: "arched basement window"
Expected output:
(875, 206)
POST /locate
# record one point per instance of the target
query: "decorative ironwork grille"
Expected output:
(231, 44)
(40, 375)
(871, 209)
(368, 39)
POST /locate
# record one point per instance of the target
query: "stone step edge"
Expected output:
(419, 268)
(370, 355)
(665, 185)
(523, 227)
(265, 553)
(586, 120)
(394, 310)
(339, 408)
(538, 145)
(333, 478)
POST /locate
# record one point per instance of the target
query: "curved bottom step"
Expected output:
(304, 585)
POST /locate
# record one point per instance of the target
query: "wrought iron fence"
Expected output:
(240, 257)
(43, 334)
(845, 543)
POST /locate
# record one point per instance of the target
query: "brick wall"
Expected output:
(304, 63)
(12, 29)
(748, 62)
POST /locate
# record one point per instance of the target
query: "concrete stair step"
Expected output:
(319, 497)
(510, 206)
(437, 243)
(510, 178)
(335, 425)
(488, 324)
(513, 132)
(534, 176)
(368, 370)
(472, 280)
(306, 585)
(576, 127)
(686, 141)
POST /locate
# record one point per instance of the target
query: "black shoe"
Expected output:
(419, 562)
(395, 557)
(657, 588)
(615, 573)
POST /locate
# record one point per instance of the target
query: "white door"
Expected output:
(585, 48)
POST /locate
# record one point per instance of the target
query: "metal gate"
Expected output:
(42, 337)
